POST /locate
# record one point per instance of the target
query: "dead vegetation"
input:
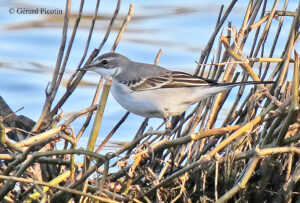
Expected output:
(252, 157)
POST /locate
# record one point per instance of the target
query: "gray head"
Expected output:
(108, 64)
(122, 69)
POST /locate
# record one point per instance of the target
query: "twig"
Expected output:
(29, 180)
(159, 53)
(123, 27)
(55, 181)
(89, 116)
(54, 85)
(290, 185)
(103, 179)
(240, 131)
(293, 111)
(216, 180)
(112, 132)
(241, 185)
(210, 43)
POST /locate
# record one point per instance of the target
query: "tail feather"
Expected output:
(245, 83)
(213, 89)
(221, 87)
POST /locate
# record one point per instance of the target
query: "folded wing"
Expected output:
(173, 79)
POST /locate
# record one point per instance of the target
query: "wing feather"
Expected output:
(173, 79)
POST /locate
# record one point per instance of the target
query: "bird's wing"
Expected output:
(173, 79)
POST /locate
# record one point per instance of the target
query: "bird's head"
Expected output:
(107, 65)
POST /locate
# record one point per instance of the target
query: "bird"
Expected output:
(150, 90)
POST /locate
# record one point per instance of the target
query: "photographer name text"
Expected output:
(35, 11)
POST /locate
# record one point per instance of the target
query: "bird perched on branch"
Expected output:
(152, 91)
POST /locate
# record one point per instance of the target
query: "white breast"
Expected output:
(135, 102)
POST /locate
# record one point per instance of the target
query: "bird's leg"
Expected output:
(168, 123)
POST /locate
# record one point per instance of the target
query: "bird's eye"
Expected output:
(104, 62)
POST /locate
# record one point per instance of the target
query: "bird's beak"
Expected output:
(87, 68)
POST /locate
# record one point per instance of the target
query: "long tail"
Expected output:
(220, 87)
(246, 83)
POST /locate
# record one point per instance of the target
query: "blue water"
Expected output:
(29, 45)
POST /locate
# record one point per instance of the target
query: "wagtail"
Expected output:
(153, 91)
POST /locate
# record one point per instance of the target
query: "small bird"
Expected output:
(150, 90)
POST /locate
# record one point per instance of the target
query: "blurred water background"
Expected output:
(29, 46)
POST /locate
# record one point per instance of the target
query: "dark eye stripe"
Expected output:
(103, 64)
